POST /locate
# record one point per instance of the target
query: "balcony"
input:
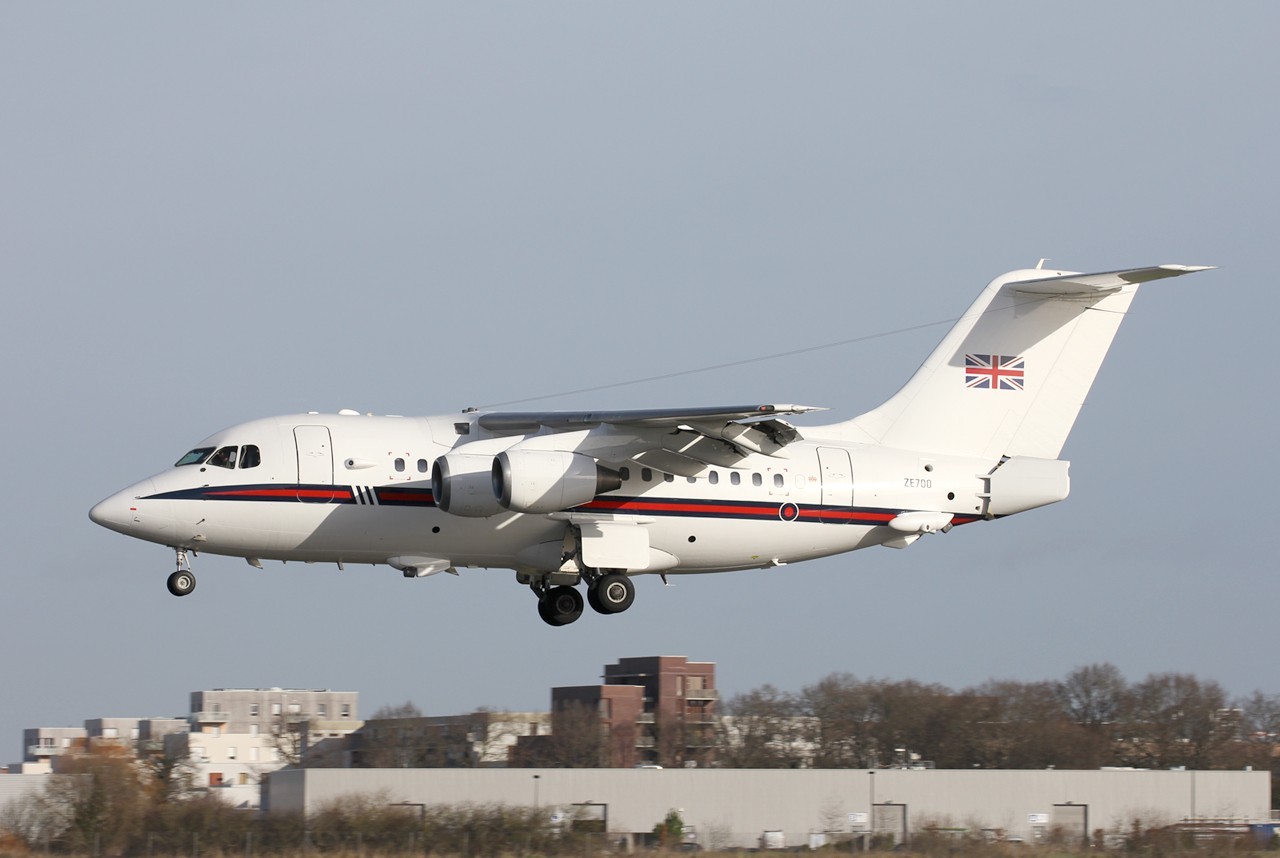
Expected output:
(701, 694)
(210, 717)
(42, 751)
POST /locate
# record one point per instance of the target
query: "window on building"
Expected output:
(197, 752)
(231, 752)
(110, 733)
(254, 753)
(253, 729)
(322, 710)
(215, 779)
(244, 778)
(346, 710)
(295, 708)
(275, 708)
(253, 710)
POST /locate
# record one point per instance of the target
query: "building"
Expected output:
(239, 735)
(654, 710)
(678, 724)
(278, 710)
(41, 744)
(732, 808)
(477, 739)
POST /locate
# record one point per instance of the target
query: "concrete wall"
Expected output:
(733, 807)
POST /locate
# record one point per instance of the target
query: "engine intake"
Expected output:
(548, 481)
(462, 484)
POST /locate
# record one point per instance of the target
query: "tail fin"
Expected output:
(1010, 377)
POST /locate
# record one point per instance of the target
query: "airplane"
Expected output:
(593, 498)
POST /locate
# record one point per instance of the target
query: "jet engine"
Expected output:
(462, 484)
(549, 481)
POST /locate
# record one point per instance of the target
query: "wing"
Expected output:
(525, 421)
(681, 441)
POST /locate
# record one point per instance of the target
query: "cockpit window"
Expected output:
(249, 456)
(195, 457)
(224, 458)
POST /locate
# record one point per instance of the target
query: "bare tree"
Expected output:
(763, 729)
(1176, 719)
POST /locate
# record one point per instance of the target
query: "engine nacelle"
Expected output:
(549, 481)
(462, 484)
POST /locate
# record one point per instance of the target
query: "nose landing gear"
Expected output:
(183, 581)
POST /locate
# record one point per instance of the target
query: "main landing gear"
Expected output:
(610, 593)
(183, 581)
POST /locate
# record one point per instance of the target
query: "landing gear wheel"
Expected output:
(182, 582)
(560, 606)
(612, 594)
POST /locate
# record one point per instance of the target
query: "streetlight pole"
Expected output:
(871, 817)
(536, 778)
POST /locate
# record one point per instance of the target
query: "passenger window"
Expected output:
(693, 479)
(756, 480)
(249, 456)
(714, 478)
(646, 474)
(671, 478)
(735, 478)
(400, 466)
(195, 457)
(625, 473)
(777, 480)
(422, 466)
(224, 458)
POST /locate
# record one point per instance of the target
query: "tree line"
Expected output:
(1091, 718)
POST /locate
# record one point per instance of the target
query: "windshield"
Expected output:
(195, 457)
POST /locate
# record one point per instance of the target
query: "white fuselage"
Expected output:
(357, 489)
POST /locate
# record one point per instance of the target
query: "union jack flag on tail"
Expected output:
(994, 372)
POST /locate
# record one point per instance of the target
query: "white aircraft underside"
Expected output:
(595, 498)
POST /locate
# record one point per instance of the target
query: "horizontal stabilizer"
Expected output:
(1103, 282)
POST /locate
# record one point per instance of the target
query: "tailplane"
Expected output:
(1010, 377)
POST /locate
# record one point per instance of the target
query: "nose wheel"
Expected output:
(183, 581)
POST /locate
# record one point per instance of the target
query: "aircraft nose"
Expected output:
(120, 511)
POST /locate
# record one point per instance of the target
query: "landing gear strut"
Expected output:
(183, 581)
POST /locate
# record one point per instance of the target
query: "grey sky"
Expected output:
(210, 213)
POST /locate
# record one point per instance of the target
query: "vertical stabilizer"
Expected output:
(1010, 377)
